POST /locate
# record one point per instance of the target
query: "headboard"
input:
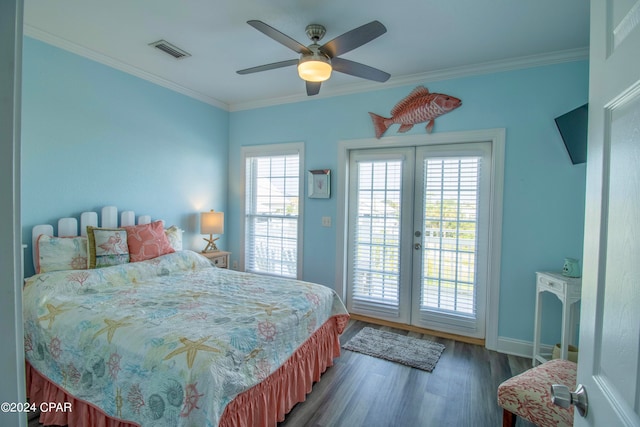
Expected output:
(68, 227)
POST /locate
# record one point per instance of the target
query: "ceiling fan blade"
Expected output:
(268, 66)
(353, 39)
(278, 36)
(313, 88)
(359, 70)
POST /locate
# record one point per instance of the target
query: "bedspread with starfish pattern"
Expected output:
(168, 341)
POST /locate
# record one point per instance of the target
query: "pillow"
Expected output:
(107, 246)
(174, 235)
(60, 253)
(147, 241)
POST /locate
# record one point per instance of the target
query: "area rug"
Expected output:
(414, 352)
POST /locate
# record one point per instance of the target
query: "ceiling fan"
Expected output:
(316, 62)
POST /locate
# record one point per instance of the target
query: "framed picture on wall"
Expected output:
(319, 183)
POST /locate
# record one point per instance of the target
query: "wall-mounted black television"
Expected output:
(573, 129)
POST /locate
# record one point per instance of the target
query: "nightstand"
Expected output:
(218, 258)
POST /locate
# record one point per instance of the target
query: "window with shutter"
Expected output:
(450, 234)
(452, 214)
(379, 186)
(272, 210)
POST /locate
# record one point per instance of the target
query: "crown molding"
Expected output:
(511, 64)
(352, 88)
(72, 47)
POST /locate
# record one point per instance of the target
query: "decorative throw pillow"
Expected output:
(60, 253)
(147, 241)
(174, 235)
(107, 246)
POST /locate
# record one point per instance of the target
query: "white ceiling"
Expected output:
(425, 40)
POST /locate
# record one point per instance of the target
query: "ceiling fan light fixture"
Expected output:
(315, 61)
(314, 68)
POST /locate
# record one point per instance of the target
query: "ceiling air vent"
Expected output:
(172, 50)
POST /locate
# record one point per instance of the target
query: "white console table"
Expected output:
(568, 291)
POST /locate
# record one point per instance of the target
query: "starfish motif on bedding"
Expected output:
(268, 308)
(53, 312)
(111, 327)
(191, 348)
(253, 354)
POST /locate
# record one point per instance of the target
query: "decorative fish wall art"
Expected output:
(418, 107)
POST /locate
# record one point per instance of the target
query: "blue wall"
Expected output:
(94, 136)
(543, 193)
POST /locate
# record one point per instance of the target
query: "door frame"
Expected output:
(497, 138)
(12, 387)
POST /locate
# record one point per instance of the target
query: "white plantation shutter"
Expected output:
(450, 224)
(272, 212)
(377, 235)
(376, 212)
(454, 224)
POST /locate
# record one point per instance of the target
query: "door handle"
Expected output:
(417, 246)
(561, 396)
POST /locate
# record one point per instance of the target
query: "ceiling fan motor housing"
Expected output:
(315, 32)
(314, 66)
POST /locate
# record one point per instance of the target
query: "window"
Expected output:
(272, 210)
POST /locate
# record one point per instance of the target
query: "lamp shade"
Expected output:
(314, 68)
(212, 222)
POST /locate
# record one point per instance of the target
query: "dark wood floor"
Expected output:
(361, 390)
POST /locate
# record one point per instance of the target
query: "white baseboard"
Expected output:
(519, 347)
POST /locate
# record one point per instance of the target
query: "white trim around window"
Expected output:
(497, 138)
(270, 150)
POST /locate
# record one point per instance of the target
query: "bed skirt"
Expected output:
(263, 405)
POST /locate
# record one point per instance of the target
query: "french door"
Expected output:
(418, 235)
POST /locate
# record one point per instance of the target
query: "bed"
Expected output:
(161, 337)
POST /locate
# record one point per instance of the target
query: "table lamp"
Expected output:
(211, 223)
